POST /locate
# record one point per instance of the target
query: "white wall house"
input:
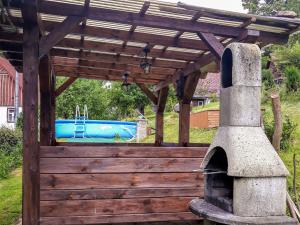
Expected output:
(10, 94)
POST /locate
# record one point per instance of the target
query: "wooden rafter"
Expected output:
(47, 42)
(214, 45)
(134, 18)
(104, 57)
(61, 61)
(64, 86)
(148, 93)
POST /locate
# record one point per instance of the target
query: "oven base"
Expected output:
(210, 212)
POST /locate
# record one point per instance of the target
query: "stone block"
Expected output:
(240, 106)
(258, 197)
(246, 64)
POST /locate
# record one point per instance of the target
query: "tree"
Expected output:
(83, 92)
(270, 7)
(124, 102)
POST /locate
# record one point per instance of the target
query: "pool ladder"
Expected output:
(79, 124)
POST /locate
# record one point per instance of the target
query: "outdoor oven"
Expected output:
(245, 179)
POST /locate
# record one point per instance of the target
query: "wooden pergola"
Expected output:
(101, 39)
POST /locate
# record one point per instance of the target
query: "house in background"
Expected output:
(10, 94)
(207, 89)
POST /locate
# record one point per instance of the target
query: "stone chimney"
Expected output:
(244, 176)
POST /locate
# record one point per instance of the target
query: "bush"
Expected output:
(267, 79)
(10, 151)
(288, 130)
(292, 74)
(9, 139)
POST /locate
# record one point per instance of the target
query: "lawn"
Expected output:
(11, 198)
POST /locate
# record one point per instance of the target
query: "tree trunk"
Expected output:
(278, 126)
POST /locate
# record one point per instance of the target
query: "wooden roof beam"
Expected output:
(64, 86)
(142, 12)
(214, 45)
(204, 61)
(80, 69)
(103, 57)
(153, 98)
(108, 65)
(106, 76)
(49, 41)
(101, 14)
(154, 21)
(106, 47)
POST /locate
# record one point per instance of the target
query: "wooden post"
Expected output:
(45, 100)
(159, 122)
(185, 108)
(31, 172)
(278, 126)
(53, 106)
(184, 123)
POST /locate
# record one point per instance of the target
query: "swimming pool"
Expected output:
(99, 129)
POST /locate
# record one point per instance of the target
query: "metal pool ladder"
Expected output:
(79, 124)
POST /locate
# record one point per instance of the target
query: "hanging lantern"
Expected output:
(145, 63)
(125, 83)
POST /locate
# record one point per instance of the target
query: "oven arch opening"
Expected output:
(218, 185)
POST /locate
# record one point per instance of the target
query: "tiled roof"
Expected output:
(209, 85)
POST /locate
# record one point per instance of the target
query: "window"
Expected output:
(10, 115)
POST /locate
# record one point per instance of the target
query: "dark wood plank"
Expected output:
(214, 45)
(118, 165)
(108, 57)
(53, 107)
(159, 119)
(31, 181)
(147, 20)
(139, 145)
(190, 87)
(184, 124)
(94, 194)
(191, 68)
(114, 206)
(65, 85)
(64, 28)
(148, 93)
(127, 218)
(132, 180)
(121, 152)
(45, 101)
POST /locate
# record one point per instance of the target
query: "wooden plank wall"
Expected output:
(122, 184)
(205, 119)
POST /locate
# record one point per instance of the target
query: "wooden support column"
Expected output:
(31, 172)
(184, 123)
(159, 122)
(185, 108)
(53, 106)
(45, 101)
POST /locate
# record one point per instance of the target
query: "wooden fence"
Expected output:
(101, 184)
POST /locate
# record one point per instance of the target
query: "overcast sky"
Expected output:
(230, 5)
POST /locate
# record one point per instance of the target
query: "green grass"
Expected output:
(11, 198)
(171, 127)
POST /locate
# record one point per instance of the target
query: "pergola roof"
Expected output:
(107, 37)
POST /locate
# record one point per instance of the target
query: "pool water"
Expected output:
(95, 131)
(95, 140)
